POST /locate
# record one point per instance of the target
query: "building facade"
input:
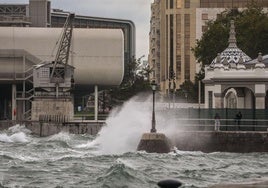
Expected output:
(154, 40)
(175, 27)
(17, 55)
(235, 81)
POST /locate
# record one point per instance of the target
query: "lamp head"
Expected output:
(153, 85)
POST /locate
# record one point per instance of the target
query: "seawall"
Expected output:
(222, 141)
(50, 128)
(205, 141)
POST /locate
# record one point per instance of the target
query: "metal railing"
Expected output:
(225, 124)
(16, 18)
(85, 117)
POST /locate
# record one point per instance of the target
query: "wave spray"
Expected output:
(125, 126)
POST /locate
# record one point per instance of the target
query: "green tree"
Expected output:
(134, 82)
(251, 33)
(189, 90)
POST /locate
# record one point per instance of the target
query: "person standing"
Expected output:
(217, 122)
(238, 119)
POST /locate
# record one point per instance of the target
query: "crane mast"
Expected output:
(61, 60)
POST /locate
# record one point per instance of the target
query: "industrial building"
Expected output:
(175, 27)
(94, 58)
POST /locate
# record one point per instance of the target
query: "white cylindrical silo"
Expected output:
(96, 54)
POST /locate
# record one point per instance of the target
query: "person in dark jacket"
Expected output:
(238, 118)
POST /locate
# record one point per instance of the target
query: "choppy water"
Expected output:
(110, 160)
(66, 160)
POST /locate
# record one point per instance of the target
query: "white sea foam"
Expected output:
(19, 128)
(27, 158)
(19, 137)
(124, 128)
(126, 163)
(180, 152)
(126, 125)
(5, 138)
(90, 144)
(16, 137)
(62, 136)
(17, 133)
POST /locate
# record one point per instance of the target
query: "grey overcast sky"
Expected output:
(137, 11)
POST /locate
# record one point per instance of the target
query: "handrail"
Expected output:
(225, 124)
(200, 119)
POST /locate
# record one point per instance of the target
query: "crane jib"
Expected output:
(58, 71)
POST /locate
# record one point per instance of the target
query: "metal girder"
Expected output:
(13, 9)
(61, 60)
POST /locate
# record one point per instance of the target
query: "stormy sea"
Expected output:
(110, 159)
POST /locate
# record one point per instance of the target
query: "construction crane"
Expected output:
(55, 78)
(53, 81)
(59, 64)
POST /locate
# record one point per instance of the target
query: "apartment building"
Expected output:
(175, 27)
(154, 42)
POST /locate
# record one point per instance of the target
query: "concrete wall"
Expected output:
(40, 13)
(47, 129)
(211, 141)
(63, 108)
(205, 141)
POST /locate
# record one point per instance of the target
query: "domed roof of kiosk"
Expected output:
(232, 53)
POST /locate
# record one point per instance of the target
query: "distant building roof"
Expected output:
(232, 53)
(254, 61)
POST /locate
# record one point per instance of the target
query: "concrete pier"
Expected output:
(222, 141)
(50, 128)
(205, 141)
(244, 185)
(154, 143)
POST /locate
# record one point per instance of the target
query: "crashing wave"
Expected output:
(17, 133)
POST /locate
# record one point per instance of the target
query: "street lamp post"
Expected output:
(154, 142)
(153, 85)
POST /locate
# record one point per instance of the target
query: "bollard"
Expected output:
(169, 184)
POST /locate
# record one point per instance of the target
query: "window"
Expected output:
(187, 49)
(231, 100)
(210, 101)
(171, 63)
(44, 72)
(178, 66)
(178, 33)
(167, 4)
(187, 4)
(187, 20)
(204, 16)
(166, 66)
(229, 3)
(48, 12)
(204, 28)
(178, 3)
(187, 67)
(171, 4)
